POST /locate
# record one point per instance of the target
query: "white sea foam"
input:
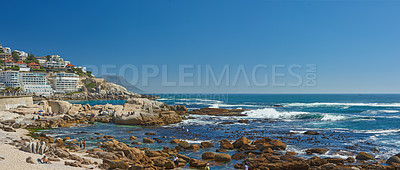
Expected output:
(380, 111)
(341, 104)
(378, 131)
(330, 117)
(271, 113)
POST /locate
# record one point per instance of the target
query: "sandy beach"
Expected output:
(12, 158)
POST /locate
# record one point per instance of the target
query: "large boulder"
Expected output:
(364, 156)
(393, 159)
(316, 150)
(147, 140)
(225, 144)
(60, 107)
(208, 155)
(207, 145)
(221, 157)
(240, 142)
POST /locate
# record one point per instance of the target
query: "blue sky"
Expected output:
(354, 44)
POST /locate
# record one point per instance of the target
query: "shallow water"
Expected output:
(353, 123)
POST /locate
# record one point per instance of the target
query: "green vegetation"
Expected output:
(15, 55)
(12, 90)
(34, 132)
(89, 83)
(16, 68)
(31, 58)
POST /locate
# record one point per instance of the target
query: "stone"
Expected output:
(175, 141)
(30, 160)
(132, 138)
(150, 133)
(393, 159)
(243, 121)
(239, 156)
(364, 156)
(225, 144)
(278, 145)
(311, 133)
(197, 163)
(184, 144)
(147, 140)
(350, 160)
(316, 150)
(240, 142)
(221, 157)
(208, 155)
(114, 164)
(66, 138)
(291, 153)
(206, 145)
(194, 147)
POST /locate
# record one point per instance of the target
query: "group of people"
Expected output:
(41, 114)
(44, 160)
(82, 144)
(127, 114)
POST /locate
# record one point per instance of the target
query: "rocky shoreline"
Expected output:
(260, 153)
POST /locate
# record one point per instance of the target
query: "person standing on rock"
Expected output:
(80, 144)
(245, 165)
(176, 161)
(207, 167)
(84, 144)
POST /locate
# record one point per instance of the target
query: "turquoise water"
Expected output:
(353, 123)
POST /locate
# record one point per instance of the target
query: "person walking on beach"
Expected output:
(84, 144)
(176, 161)
(80, 144)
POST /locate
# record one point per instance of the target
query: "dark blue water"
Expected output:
(366, 122)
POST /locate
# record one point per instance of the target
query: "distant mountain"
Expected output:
(122, 82)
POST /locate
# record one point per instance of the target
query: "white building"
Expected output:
(35, 83)
(5, 53)
(65, 82)
(10, 78)
(55, 61)
(22, 54)
(42, 62)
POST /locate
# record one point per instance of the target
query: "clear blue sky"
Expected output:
(355, 44)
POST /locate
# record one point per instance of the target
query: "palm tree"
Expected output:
(17, 90)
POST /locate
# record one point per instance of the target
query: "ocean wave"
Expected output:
(340, 104)
(378, 131)
(271, 113)
(379, 111)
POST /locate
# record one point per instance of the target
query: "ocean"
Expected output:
(346, 122)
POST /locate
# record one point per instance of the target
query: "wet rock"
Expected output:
(364, 156)
(393, 159)
(317, 151)
(327, 166)
(311, 133)
(132, 138)
(221, 157)
(316, 161)
(278, 145)
(225, 144)
(290, 158)
(158, 140)
(108, 137)
(30, 160)
(150, 133)
(207, 145)
(220, 150)
(194, 147)
(66, 138)
(147, 140)
(208, 155)
(197, 163)
(239, 156)
(291, 153)
(350, 160)
(175, 141)
(240, 142)
(337, 161)
(184, 144)
(243, 121)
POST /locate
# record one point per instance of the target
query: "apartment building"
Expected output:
(35, 83)
(65, 82)
(5, 53)
(55, 61)
(10, 78)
